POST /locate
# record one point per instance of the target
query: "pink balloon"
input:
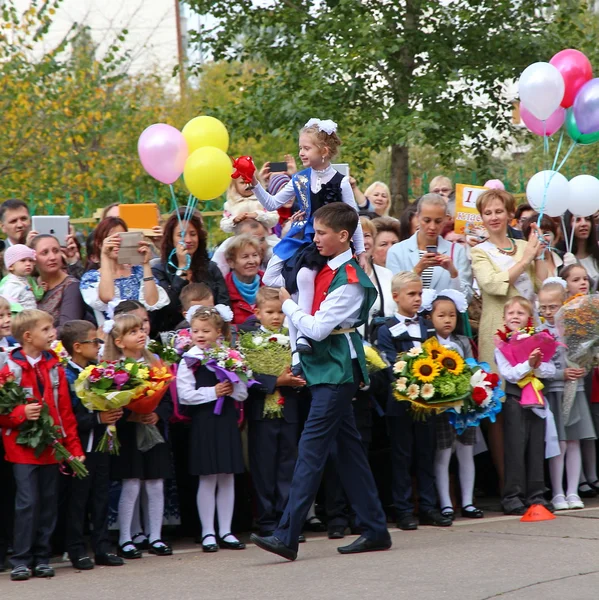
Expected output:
(552, 124)
(576, 71)
(163, 151)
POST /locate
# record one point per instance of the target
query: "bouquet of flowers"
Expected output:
(484, 401)
(59, 350)
(517, 346)
(111, 385)
(37, 435)
(431, 378)
(268, 353)
(374, 361)
(228, 365)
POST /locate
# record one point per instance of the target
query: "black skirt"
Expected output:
(215, 441)
(131, 463)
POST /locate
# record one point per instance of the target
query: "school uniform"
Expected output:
(412, 439)
(343, 295)
(91, 492)
(524, 438)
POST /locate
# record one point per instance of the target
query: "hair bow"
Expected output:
(225, 312)
(108, 326)
(326, 125)
(429, 296)
(559, 280)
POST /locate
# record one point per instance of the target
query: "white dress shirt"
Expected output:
(413, 329)
(317, 180)
(186, 385)
(341, 308)
(515, 373)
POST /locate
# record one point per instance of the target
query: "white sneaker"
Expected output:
(560, 503)
(574, 501)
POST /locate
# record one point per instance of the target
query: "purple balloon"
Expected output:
(586, 107)
(163, 151)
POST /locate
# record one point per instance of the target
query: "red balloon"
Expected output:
(576, 70)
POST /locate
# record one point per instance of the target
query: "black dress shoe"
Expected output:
(301, 538)
(209, 547)
(109, 560)
(266, 532)
(336, 532)
(471, 512)
(434, 518)
(236, 545)
(275, 545)
(586, 490)
(363, 544)
(315, 524)
(302, 346)
(129, 554)
(83, 563)
(159, 548)
(20, 573)
(407, 522)
(43, 571)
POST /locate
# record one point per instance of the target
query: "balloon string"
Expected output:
(570, 149)
(564, 230)
(545, 144)
(572, 236)
(559, 148)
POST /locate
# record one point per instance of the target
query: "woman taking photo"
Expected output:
(440, 264)
(113, 281)
(584, 245)
(189, 263)
(62, 298)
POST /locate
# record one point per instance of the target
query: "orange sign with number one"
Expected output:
(466, 215)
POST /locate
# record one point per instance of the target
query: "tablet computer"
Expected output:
(140, 217)
(128, 252)
(58, 226)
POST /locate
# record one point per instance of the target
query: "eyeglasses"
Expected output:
(96, 341)
(549, 307)
(441, 190)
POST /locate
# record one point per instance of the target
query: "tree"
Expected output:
(391, 73)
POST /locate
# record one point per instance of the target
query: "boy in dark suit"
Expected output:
(272, 441)
(80, 341)
(410, 438)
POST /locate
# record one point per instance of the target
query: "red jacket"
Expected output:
(241, 309)
(62, 414)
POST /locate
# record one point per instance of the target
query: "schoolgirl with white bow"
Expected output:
(215, 442)
(126, 338)
(296, 260)
(447, 309)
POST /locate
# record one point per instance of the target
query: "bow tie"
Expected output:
(414, 321)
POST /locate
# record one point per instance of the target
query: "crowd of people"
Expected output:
(288, 263)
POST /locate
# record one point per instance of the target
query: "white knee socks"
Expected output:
(155, 491)
(442, 458)
(556, 472)
(573, 466)
(465, 456)
(208, 499)
(127, 501)
(225, 503)
(589, 460)
(207, 504)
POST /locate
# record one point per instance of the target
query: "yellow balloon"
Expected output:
(207, 173)
(205, 131)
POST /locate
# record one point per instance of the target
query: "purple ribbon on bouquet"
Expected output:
(221, 374)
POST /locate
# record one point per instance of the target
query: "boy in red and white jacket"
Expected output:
(37, 370)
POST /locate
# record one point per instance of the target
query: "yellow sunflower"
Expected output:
(425, 370)
(451, 361)
(433, 347)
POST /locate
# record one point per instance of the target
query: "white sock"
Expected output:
(155, 491)
(305, 287)
(136, 526)
(589, 460)
(129, 495)
(442, 459)
(206, 504)
(312, 512)
(225, 503)
(556, 472)
(573, 466)
(465, 456)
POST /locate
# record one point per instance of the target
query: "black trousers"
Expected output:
(7, 507)
(89, 496)
(412, 443)
(272, 447)
(36, 507)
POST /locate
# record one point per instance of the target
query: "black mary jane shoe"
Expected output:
(144, 544)
(471, 512)
(159, 548)
(83, 563)
(236, 545)
(129, 554)
(586, 490)
(447, 511)
(209, 547)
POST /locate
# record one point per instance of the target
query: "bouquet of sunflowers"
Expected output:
(111, 385)
(268, 353)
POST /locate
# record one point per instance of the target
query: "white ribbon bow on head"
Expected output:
(225, 312)
(326, 125)
(559, 280)
(108, 326)
(429, 296)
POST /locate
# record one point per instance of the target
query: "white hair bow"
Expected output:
(108, 326)
(326, 125)
(111, 306)
(430, 295)
(225, 312)
(559, 280)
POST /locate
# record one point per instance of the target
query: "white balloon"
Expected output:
(584, 195)
(548, 191)
(541, 88)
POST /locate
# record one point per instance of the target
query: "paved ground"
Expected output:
(496, 557)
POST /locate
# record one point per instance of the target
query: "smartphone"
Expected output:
(278, 167)
(431, 249)
(58, 226)
(128, 254)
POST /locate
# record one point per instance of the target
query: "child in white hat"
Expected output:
(17, 286)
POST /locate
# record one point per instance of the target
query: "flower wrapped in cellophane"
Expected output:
(268, 353)
(107, 386)
(431, 378)
(484, 400)
(374, 360)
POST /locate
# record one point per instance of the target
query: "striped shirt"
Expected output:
(427, 274)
